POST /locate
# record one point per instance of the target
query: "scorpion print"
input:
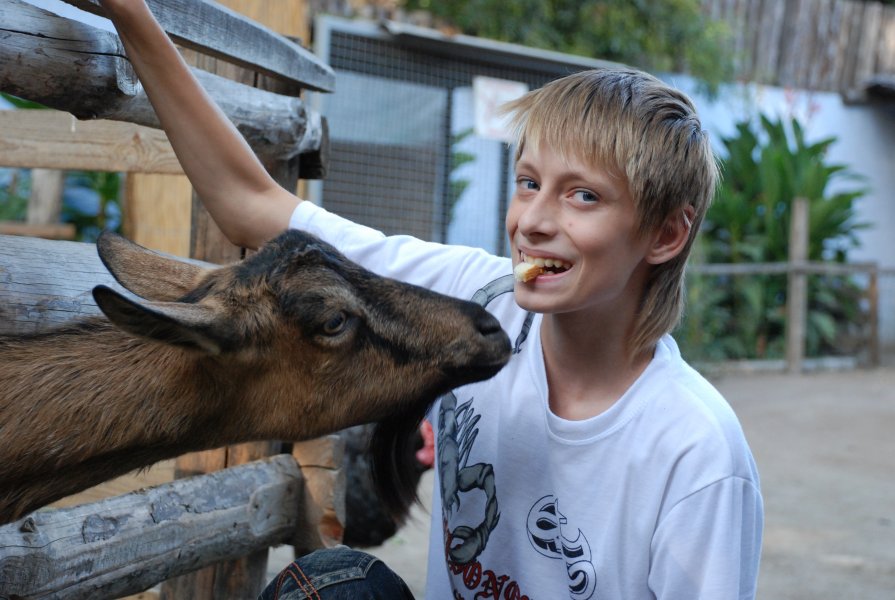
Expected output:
(456, 435)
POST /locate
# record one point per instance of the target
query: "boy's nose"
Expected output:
(537, 216)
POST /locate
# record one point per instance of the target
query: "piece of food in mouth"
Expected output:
(525, 272)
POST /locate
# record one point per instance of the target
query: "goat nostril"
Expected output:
(487, 324)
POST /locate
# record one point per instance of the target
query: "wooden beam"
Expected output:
(126, 544)
(49, 231)
(44, 283)
(53, 139)
(219, 31)
(71, 66)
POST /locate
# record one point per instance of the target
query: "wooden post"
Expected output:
(797, 292)
(873, 310)
(45, 203)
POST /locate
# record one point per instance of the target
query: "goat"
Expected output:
(294, 342)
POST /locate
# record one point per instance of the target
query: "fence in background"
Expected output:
(820, 45)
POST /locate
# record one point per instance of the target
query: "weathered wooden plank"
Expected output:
(53, 139)
(868, 60)
(217, 30)
(44, 283)
(825, 45)
(853, 25)
(768, 42)
(158, 212)
(74, 67)
(843, 9)
(50, 231)
(126, 544)
(829, 45)
(806, 36)
(887, 41)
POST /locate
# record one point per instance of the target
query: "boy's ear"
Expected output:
(672, 237)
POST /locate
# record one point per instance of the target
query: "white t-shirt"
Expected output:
(658, 497)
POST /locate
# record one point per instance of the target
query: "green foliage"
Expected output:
(458, 159)
(656, 35)
(20, 102)
(90, 200)
(92, 203)
(734, 317)
(14, 192)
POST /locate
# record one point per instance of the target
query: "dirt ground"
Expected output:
(825, 449)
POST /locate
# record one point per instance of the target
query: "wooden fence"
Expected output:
(88, 551)
(797, 269)
(822, 45)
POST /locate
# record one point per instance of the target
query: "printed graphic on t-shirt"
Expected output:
(550, 535)
(456, 434)
(465, 541)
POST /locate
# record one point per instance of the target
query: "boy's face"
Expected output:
(582, 217)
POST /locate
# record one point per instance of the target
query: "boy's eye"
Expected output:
(524, 183)
(586, 196)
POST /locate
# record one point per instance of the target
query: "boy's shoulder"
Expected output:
(691, 406)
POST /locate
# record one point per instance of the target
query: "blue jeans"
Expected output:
(337, 574)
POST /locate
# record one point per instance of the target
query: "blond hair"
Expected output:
(647, 132)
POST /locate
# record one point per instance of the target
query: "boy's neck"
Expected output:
(588, 364)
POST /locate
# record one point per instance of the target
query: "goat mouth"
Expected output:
(549, 265)
(472, 373)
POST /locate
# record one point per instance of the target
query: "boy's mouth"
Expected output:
(549, 265)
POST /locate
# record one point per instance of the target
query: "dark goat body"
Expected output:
(292, 343)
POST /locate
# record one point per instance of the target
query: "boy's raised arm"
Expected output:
(245, 202)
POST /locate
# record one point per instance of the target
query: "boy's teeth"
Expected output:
(545, 262)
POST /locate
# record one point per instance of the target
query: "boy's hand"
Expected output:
(426, 455)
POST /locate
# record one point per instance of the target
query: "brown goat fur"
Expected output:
(292, 343)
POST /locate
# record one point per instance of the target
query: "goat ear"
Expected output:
(185, 325)
(146, 273)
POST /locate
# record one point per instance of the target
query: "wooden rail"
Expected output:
(797, 269)
(126, 544)
(80, 69)
(797, 310)
(218, 31)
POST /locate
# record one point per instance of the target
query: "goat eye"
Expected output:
(335, 324)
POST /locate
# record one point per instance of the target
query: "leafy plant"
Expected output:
(91, 202)
(658, 35)
(767, 166)
(457, 184)
(14, 191)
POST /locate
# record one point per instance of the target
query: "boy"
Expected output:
(597, 464)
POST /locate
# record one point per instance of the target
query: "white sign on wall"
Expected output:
(488, 94)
